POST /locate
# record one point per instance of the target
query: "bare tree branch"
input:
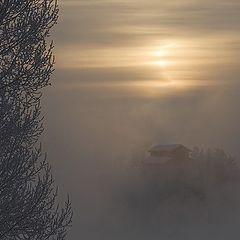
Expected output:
(28, 203)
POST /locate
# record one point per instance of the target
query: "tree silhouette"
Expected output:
(28, 206)
(209, 180)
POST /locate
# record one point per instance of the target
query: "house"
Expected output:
(158, 154)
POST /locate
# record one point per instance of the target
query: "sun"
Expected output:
(162, 55)
(166, 60)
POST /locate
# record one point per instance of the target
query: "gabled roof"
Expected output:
(168, 148)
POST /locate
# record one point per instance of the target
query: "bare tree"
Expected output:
(28, 206)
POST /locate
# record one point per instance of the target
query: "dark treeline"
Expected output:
(28, 207)
(205, 184)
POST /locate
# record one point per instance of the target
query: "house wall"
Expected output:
(177, 154)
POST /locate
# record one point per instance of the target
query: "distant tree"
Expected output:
(28, 206)
(209, 176)
(215, 166)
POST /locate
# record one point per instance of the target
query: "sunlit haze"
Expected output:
(131, 73)
(172, 43)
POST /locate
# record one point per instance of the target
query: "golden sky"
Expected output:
(178, 43)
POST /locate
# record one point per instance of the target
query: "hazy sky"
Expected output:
(151, 43)
(130, 73)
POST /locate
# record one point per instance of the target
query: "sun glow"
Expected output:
(162, 55)
(173, 63)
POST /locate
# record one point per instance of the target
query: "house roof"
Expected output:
(168, 148)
